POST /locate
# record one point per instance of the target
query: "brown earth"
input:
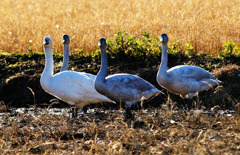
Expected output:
(20, 74)
(166, 124)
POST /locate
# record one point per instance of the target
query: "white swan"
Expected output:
(183, 80)
(122, 87)
(66, 42)
(75, 88)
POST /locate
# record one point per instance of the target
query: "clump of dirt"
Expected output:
(230, 75)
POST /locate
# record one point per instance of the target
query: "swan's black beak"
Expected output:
(164, 37)
(46, 42)
(66, 39)
(102, 42)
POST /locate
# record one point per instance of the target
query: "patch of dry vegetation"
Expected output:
(155, 131)
(205, 24)
(230, 72)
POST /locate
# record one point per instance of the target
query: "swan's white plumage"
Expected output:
(122, 87)
(184, 80)
(66, 42)
(75, 88)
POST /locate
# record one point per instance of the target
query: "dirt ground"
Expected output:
(20, 78)
(161, 130)
(165, 124)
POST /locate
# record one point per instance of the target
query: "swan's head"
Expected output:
(47, 42)
(66, 39)
(102, 43)
(164, 38)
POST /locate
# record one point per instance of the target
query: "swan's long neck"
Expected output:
(103, 70)
(162, 72)
(164, 59)
(65, 58)
(48, 69)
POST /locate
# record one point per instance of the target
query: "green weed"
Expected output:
(230, 49)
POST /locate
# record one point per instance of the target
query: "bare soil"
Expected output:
(34, 122)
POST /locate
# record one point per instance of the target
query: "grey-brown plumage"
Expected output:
(184, 80)
(121, 87)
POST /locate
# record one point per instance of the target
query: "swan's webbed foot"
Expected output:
(191, 95)
(74, 112)
(128, 114)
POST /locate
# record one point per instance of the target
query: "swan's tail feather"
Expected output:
(210, 83)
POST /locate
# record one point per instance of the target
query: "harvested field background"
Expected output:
(34, 122)
(205, 24)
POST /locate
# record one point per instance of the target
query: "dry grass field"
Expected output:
(206, 24)
(156, 131)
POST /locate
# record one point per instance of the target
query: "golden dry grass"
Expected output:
(206, 24)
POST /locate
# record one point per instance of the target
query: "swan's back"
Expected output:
(189, 72)
(126, 87)
(69, 82)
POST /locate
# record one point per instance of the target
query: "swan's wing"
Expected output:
(75, 87)
(129, 81)
(72, 82)
(127, 87)
(91, 76)
(189, 72)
